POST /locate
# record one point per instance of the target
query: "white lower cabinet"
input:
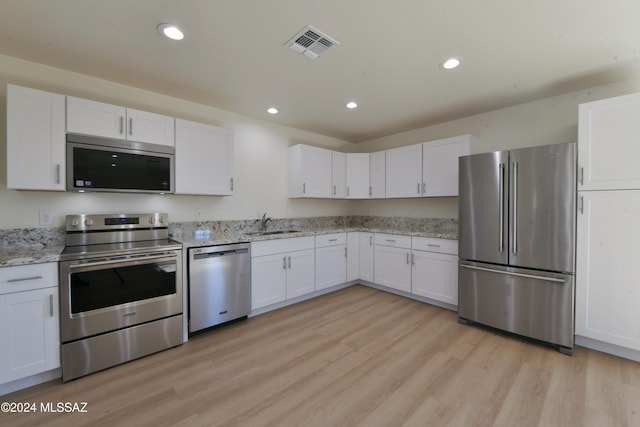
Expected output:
(392, 261)
(353, 256)
(29, 318)
(331, 260)
(435, 269)
(607, 291)
(281, 269)
(366, 256)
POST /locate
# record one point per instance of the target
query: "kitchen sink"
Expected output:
(269, 233)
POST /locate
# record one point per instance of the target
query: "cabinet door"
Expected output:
(608, 148)
(331, 266)
(353, 256)
(148, 127)
(310, 172)
(35, 139)
(339, 174)
(404, 171)
(435, 276)
(377, 175)
(268, 280)
(440, 165)
(366, 256)
(29, 333)
(607, 292)
(204, 159)
(300, 273)
(393, 267)
(358, 176)
(96, 118)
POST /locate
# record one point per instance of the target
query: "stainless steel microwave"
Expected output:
(113, 165)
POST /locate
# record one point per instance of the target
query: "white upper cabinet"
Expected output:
(35, 139)
(404, 171)
(338, 174)
(608, 148)
(440, 165)
(377, 175)
(203, 159)
(310, 172)
(358, 175)
(111, 121)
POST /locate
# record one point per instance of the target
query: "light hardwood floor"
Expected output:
(354, 357)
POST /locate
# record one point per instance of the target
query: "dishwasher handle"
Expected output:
(215, 254)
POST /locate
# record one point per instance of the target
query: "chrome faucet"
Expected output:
(264, 221)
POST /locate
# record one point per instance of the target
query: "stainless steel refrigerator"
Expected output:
(517, 212)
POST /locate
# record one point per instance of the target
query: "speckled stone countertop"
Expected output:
(37, 245)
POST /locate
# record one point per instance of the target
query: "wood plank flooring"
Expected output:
(356, 357)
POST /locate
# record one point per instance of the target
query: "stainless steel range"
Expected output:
(120, 291)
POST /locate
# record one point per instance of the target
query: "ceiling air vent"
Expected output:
(310, 42)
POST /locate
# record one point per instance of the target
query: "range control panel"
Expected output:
(91, 222)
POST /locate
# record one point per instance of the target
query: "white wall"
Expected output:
(548, 121)
(260, 158)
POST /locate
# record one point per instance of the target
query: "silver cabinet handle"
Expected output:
(370, 191)
(58, 174)
(418, 188)
(408, 258)
(348, 191)
(370, 240)
(284, 262)
(333, 240)
(289, 263)
(121, 125)
(334, 190)
(389, 240)
(50, 305)
(304, 188)
(130, 125)
(24, 279)
(345, 252)
(231, 183)
(413, 259)
(509, 273)
(581, 204)
(515, 208)
(424, 187)
(582, 175)
(431, 245)
(501, 208)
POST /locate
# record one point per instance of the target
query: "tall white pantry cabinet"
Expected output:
(608, 225)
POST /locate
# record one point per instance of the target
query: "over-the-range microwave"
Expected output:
(113, 165)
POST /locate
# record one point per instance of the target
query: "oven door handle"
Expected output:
(124, 260)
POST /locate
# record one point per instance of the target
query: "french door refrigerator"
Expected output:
(517, 212)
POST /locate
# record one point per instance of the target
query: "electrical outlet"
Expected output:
(199, 214)
(46, 219)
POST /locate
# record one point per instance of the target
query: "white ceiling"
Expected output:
(388, 58)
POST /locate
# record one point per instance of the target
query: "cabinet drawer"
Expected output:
(331, 239)
(28, 277)
(443, 246)
(277, 246)
(393, 240)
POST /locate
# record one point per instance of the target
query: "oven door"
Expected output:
(106, 294)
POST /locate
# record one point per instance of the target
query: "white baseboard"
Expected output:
(608, 348)
(27, 382)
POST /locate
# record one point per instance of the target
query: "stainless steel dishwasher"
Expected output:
(219, 285)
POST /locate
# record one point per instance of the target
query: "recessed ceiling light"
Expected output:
(272, 110)
(351, 105)
(451, 63)
(171, 31)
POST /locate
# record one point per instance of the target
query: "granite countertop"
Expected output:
(222, 239)
(33, 254)
(38, 253)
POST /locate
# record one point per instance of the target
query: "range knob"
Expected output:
(151, 220)
(88, 222)
(163, 219)
(75, 222)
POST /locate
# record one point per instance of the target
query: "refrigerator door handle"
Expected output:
(509, 273)
(514, 249)
(501, 208)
